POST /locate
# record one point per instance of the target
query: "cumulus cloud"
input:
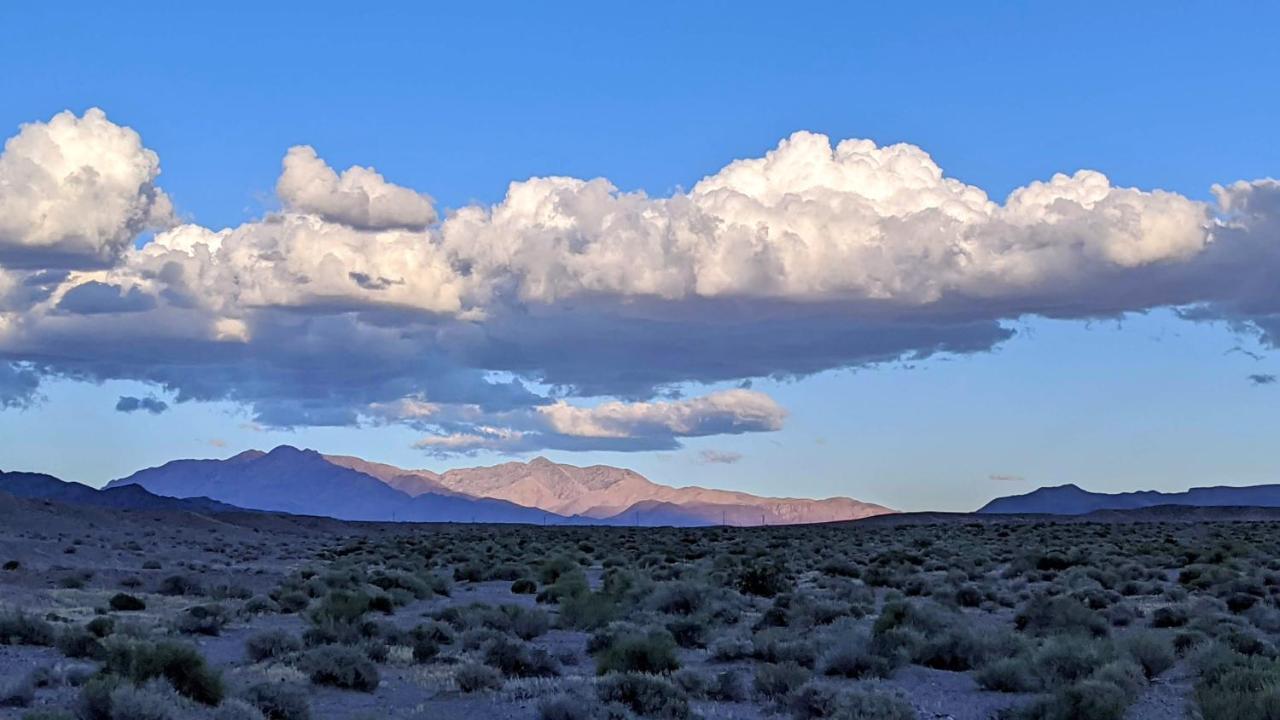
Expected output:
(359, 197)
(1262, 379)
(725, 412)
(76, 191)
(19, 385)
(562, 315)
(129, 404)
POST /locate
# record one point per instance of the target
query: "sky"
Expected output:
(634, 235)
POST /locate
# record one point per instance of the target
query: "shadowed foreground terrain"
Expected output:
(139, 614)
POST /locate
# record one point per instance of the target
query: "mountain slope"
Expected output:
(303, 482)
(38, 486)
(602, 492)
(1072, 500)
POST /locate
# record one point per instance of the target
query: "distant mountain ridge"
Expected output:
(39, 486)
(1072, 500)
(287, 479)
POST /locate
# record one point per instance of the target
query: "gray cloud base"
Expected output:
(570, 314)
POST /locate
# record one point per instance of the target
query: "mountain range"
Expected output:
(1072, 500)
(38, 486)
(305, 482)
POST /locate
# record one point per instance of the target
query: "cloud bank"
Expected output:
(567, 314)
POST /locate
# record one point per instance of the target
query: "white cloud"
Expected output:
(359, 197)
(76, 191)
(727, 411)
(354, 304)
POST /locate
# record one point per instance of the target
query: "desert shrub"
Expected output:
(726, 687)
(645, 695)
(473, 677)
(292, 602)
(959, 649)
(689, 632)
(568, 706)
(851, 657)
(153, 701)
(1154, 652)
(1170, 616)
(101, 626)
(528, 623)
(651, 652)
(515, 659)
(340, 607)
(78, 642)
(342, 667)
(202, 620)
(763, 580)
(435, 631)
(569, 585)
(1068, 658)
(19, 628)
(94, 700)
(1053, 614)
(271, 644)
(179, 585)
(678, 598)
(588, 610)
(1085, 700)
(124, 602)
(773, 681)
(279, 701)
(524, 586)
(1124, 674)
(236, 709)
(816, 700)
(731, 648)
(968, 596)
(178, 663)
(424, 648)
(11, 565)
(560, 565)
(1237, 687)
(1007, 675)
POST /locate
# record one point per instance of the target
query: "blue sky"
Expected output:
(458, 102)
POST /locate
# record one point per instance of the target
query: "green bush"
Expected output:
(773, 681)
(153, 701)
(646, 695)
(179, 585)
(816, 700)
(279, 701)
(1154, 652)
(19, 628)
(271, 644)
(650, 652)
(236, 709)
(202, 620)
(1010, 675)
(473, 677)
(524, 586)
(1237, 687)
(514, 659)
(342, 667)
(1060, 614)
(178, 663)
(124, 602)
